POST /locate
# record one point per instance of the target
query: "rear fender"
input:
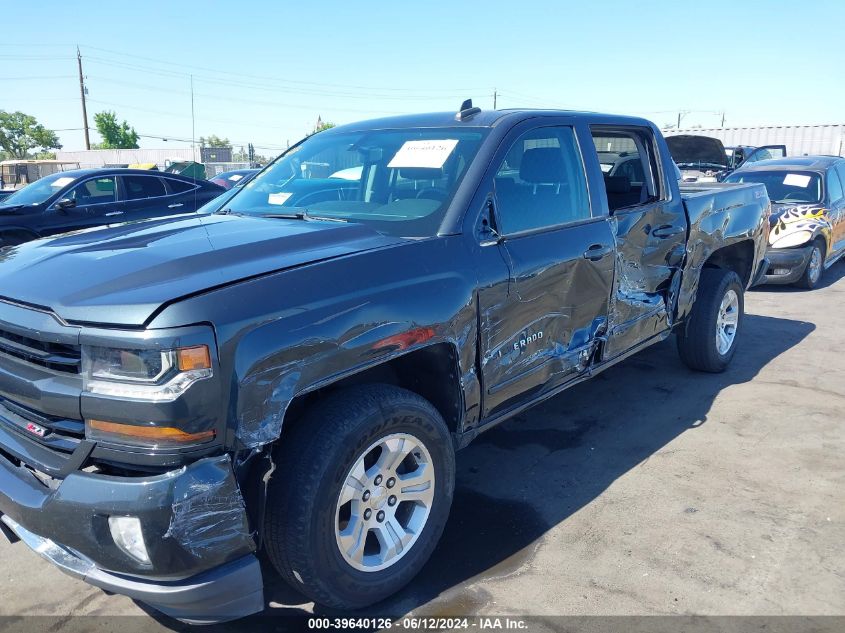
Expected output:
(716, 224)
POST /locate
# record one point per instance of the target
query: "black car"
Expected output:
(229, 179)
(83, 198)
(5, 193)
(808, 215)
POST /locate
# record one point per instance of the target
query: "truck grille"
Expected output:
(61, 357)
(56, 433)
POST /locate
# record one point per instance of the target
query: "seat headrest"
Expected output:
(542, 165)
(617, 184)
(421, 173)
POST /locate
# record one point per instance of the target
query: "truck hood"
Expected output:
(693, 150)
(121, 275)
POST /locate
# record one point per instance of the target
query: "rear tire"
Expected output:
(317, 515)
(814, 269)
(709, 340)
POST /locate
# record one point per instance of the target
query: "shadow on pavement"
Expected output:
(507, 498)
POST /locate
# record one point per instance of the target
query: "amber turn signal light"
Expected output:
(151, 433)
(197, 357)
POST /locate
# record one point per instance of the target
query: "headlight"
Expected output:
(152, 375)
(792, 239)
(142, 366)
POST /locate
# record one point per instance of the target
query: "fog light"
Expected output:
(781, 271)
(127, 535)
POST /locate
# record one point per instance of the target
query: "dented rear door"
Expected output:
(649, 225)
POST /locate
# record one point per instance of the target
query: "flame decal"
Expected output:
(805, 217)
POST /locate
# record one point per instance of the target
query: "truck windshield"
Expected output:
(39, 191)
(398, 181)
(784, 186)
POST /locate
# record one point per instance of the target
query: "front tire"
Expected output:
(814, 269)
(361, 495)
(709, 339)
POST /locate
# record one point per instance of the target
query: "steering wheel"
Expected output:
(797, 196)
(432, 193)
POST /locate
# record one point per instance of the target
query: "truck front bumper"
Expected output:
(202, 566)
(786, 265)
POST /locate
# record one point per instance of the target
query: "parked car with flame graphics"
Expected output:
(808, 215)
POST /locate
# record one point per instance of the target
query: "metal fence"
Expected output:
(212, 169)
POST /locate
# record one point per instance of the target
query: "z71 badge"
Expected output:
(40, 431)
(525, 342)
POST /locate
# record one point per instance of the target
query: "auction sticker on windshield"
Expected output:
(431, 154)
(796, 180)
(61, 182)
(278, 198)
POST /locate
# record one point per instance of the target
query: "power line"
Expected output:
(297, 91)
(42, 77)
(276, 79)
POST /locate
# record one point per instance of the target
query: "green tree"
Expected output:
(20, 133)
(322, 125)
(214, 141)
(115, 135)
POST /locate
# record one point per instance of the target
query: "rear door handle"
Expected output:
(175, 206)
(667, 230)
(597, 251)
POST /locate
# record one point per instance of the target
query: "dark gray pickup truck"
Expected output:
(295, 371)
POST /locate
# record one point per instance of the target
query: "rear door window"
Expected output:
(628, 160)
(178, 186)
(140, 187)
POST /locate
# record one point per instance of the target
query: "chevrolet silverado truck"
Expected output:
(294, 372)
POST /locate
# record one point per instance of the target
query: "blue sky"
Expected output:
(264, 70)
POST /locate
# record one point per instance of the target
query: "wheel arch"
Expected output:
(430, 371)
(738, 257)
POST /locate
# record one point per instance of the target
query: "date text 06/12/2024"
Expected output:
(420, 623)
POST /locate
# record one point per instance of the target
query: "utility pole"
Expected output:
(82, 94)
(681, 115)
(723, 118)
(193, 124)
(495, 94)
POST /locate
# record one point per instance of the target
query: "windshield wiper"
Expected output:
(301, 214)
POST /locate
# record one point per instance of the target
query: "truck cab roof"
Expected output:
(484, 118)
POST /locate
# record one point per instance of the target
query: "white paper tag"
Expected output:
(426, 154)
(278, 198)
(796, 180)
(58, 183)
(235, 177)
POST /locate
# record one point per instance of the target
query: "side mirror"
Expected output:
(65, 203)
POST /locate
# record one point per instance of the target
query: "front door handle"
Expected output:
(597, 251)
(175, 206)
(667, 230)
